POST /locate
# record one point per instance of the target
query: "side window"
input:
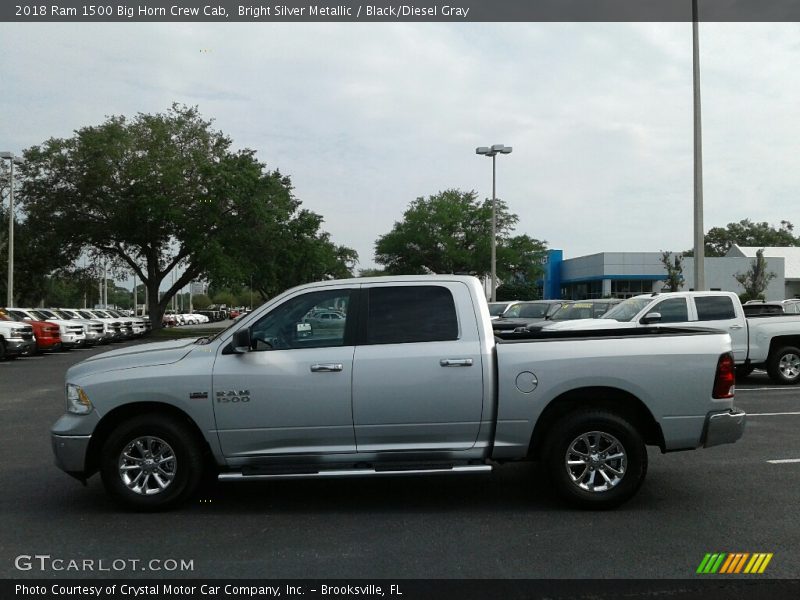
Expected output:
(313, 320)
(714, 308)
(673, 310)
(399, 315)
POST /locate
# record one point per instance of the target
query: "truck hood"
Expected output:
(142, 355)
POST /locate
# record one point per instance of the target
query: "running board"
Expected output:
(238, 476)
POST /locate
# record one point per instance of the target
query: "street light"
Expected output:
(493, 152)
(10, 287)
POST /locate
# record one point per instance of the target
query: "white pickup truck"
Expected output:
(411, 380)
(767, 342)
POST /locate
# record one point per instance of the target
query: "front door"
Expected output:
(291, 393)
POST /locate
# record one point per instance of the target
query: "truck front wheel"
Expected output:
(151, 462)
(596, 459)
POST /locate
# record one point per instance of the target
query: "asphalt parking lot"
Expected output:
(736, 498)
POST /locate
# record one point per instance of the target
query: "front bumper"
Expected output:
(724, 427)
(70, 453)
(20, 347)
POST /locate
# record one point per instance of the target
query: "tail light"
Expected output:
(725, 379)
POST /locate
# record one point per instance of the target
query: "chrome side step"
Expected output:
(370, 472)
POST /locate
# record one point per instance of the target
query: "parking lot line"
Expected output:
(782, 461)
(772, 414)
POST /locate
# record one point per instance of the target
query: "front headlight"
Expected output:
(77, 401)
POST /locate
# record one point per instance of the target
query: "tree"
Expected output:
(450, 232)
(756, 279)
(161, 193)
(673, 264)
(719, 240)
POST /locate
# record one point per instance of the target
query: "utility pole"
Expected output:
(699, 234)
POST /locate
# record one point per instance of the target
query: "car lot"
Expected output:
(725, 499)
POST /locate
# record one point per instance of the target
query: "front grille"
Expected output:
(98, 327)
(74, 329)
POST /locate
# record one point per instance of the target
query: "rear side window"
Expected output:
(401, 315)
(673, 310)
(714, 308)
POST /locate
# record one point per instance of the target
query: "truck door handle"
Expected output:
(326, 367)
(456, 362)
(736, 326)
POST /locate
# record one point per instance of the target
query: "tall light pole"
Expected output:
(699, 238)
(10, 286)
(493, 152)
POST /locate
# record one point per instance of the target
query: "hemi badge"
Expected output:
(198, 396)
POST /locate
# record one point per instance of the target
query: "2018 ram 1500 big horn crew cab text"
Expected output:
(410, 380)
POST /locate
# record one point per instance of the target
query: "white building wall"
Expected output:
(720, 273)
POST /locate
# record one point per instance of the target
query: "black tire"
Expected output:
(612, 432)
(743, 371)
(2, 349)
(164, 436)
(783, 365)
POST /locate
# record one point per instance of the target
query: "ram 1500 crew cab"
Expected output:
(772, 344)
(410, 380)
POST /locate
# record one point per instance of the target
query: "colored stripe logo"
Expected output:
(734, 563)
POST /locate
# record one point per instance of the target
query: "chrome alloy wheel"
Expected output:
(596, 461)
(789, 365)
(147, 465)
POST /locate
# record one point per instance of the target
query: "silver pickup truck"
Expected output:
(393, 376)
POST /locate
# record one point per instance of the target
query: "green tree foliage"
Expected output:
(514, 290)
(163, 191)
(201, 301)
(756, 279)
(673, 265)
(719, 240)
(450, 232)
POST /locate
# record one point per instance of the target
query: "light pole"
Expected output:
(699, 237)
(493, 152)
(10, 287)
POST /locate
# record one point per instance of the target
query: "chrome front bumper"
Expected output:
(724, 427)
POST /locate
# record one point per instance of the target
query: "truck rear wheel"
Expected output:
(151, 462)
(596, 459)
(784, 365)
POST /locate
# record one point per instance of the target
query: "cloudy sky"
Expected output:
(365, 117)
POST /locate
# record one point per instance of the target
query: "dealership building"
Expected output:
(626, 274)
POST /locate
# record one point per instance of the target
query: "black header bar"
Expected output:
(458, 11)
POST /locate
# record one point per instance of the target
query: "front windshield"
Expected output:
(39, 316)
(532, 310)
(627, 309)
(571, 312)
(496, 308)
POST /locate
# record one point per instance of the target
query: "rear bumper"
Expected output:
(724, 427)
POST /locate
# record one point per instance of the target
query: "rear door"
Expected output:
(718, 311)
(417, 374)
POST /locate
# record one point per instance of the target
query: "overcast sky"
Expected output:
(365, 117)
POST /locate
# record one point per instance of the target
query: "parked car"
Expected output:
(521, 314)
(414, 382)
(72, 334)
(46, 335)
(113, 326)
(16, 338)
(93, 329)
(580, 309)
(755, 308)
(772, 344)
(496, 309)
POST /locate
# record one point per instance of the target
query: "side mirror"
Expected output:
(649, 318)
(241, 341)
